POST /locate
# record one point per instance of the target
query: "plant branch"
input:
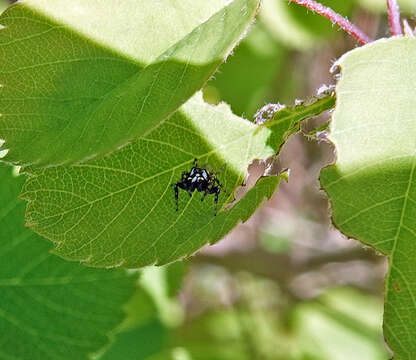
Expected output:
(335, 18)
(394, 17)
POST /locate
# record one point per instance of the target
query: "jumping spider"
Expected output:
(201, 180)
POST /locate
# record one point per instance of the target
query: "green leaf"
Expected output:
(120, 210)
(138, 343)
(49, 308)
(79, 78)
(373, 186)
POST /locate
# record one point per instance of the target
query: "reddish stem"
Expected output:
(335, 18)
(394, 17)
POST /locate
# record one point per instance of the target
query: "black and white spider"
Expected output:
(201, 180)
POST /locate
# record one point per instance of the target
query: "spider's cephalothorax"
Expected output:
(201, 180)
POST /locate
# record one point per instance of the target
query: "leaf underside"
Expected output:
(49, 308)
(372, 187)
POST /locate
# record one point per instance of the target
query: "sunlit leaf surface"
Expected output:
(373, 184)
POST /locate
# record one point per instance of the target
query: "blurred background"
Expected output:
(285, 285)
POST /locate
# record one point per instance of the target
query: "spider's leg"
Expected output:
(216, 172)
(217, 193)
(204, 194)
(196, 162)
(221, 186)
(176, 196)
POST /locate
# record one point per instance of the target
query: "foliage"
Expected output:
(102, 108)
(128, 203)
(372, 183)
(107, 212)
(108, 81)
(50, 308)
